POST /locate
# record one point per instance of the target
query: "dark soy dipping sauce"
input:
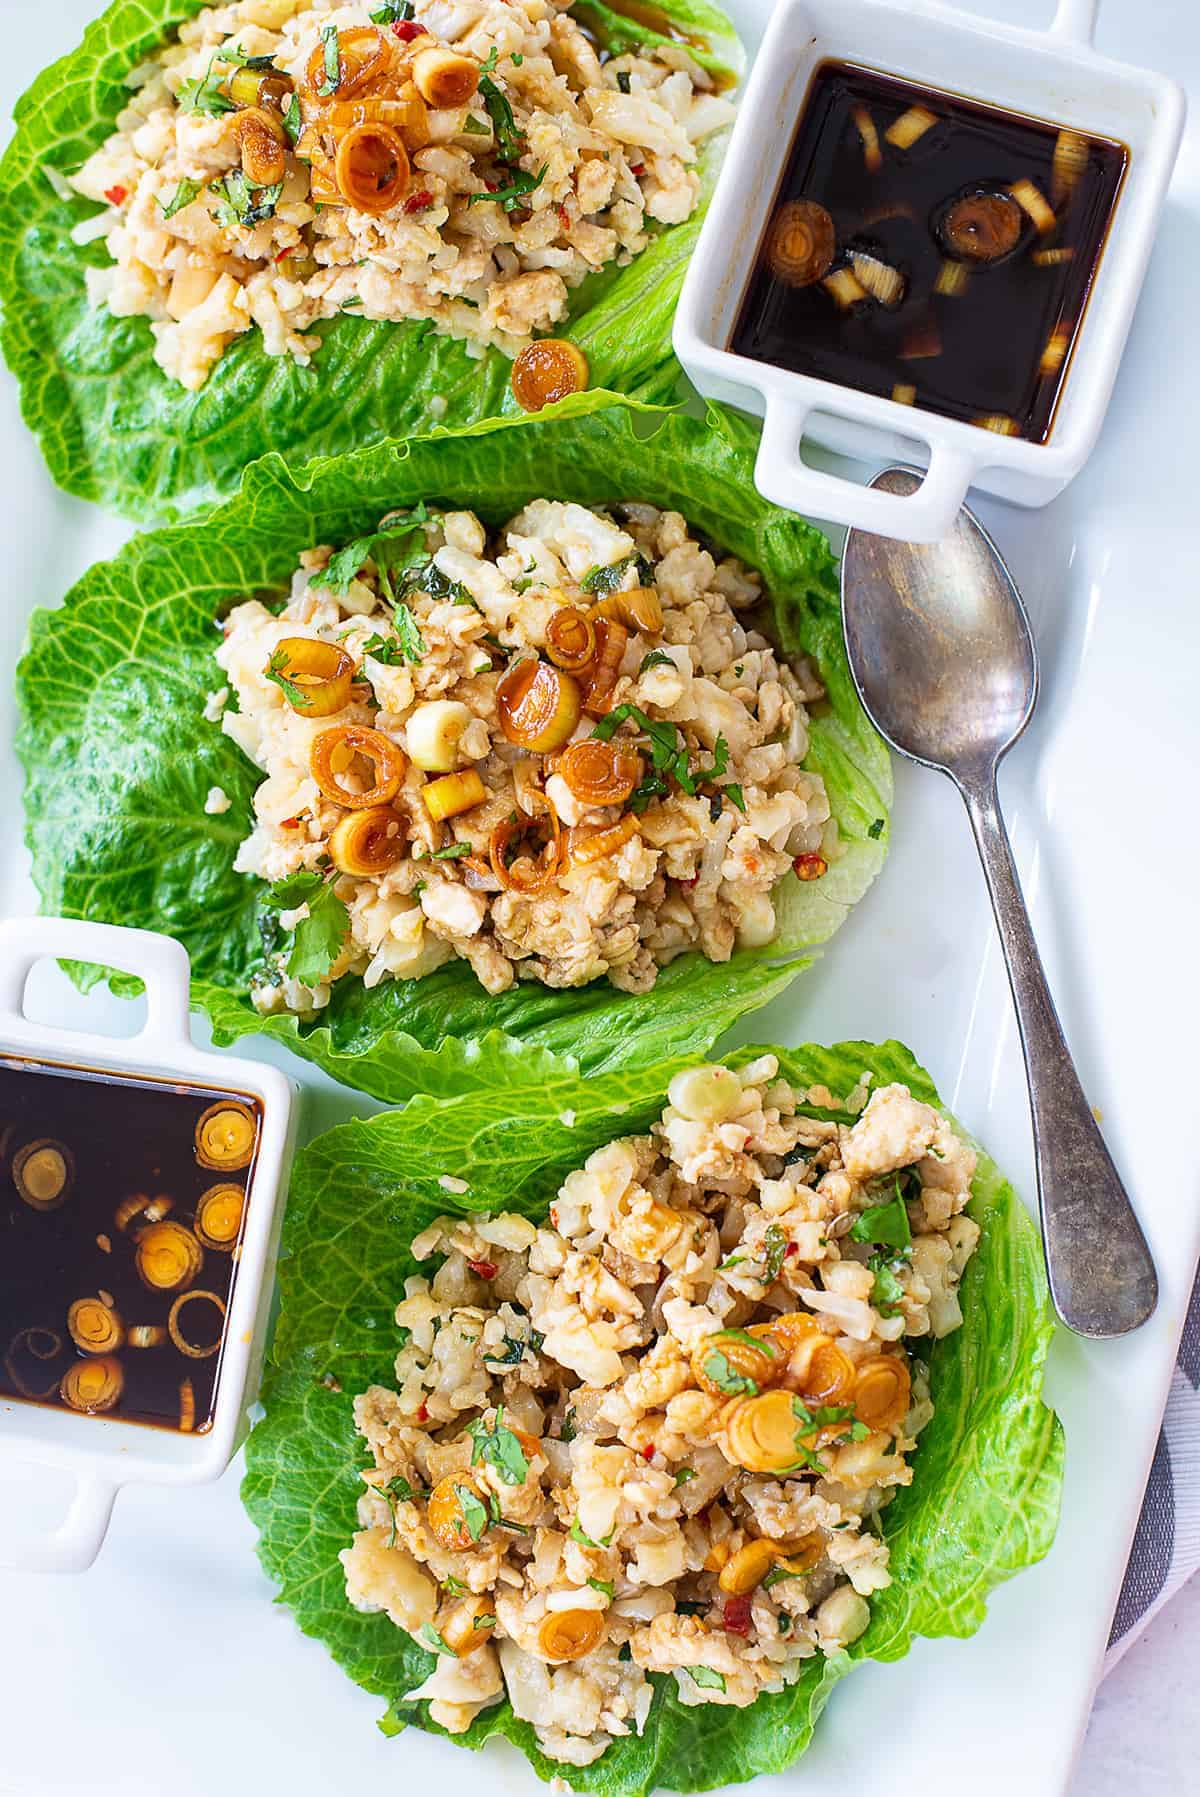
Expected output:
(118, 1139)
(993, 333)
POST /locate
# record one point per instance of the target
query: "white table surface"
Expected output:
(1141, 1737)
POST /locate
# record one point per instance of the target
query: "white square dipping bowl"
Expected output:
(1055, 76)
(103, 1452)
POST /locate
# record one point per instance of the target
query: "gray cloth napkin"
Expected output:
(1166, 1547)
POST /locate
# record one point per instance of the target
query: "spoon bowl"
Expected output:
(939, 642)
(944, 662)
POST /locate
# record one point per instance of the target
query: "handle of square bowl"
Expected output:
(158, 961)
(921, 517)
(73, 1546)
(1075, 20)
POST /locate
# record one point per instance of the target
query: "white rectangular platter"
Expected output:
(166, 1666)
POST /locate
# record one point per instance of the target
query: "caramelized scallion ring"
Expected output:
(366, 843)
(597, 843)
(195, 1350)
(600, 678)
(548, 370)
(371, 167)
(444, 77)
(41, 1345)
(801, 243)
(314, 677)
(882, 1391)
(168, 1257)
(570, 1634)
(521, 873)
(219, 1217)
(363, 55)
(600, 773)
(136, 1212)
(43, 1173)
(95, 1327)
(538, 705)
(570, 639)
(225, 1136)
(333, 751)
(829, 1376)
(93, 1386)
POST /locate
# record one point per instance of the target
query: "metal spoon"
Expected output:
(944, 661)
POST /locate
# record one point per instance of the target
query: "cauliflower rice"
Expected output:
(655, 1434)
(687, 860)
(585, 158)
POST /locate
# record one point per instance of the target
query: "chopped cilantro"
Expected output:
(383, 547)
(606, 577)
(484, 1622)
(183, 196)
(241, 201)
(603, 1586)
(566, 1429)
(454, 1586)
(475, 1515)
(688, 1607)
(624, 1652)
(500, 1448)
(429, 1638)
(385, 649)
(475, 127)
(392, 12)
(657, 658)
(683, 1474)
(725, 1375)
(317, 938)
(705, 1677)
(452, 851)
(775, 1244)
(886, 1223)
(396, 1491)
(887, 1291)
(204, 93)
(577, 1534)
(509, 138)
(331, 78)
(775, 1575)
(735, 795)
(293, 124)
(513, 195)
(517, 58)
(406, 628)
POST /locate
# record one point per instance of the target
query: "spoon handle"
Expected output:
(1102, 1277)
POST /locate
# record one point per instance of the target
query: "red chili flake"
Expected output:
(554, 1216)
(637, 168)
(792, 1248)
(810, 867)
(290, 251)
(736, 1616)
(486, 1269)
(564, 217)
(492, 186)
(688, 884)
(417, 202)
(423, 1414)
(648, 1451)
(290, 823)
(407, 29)
(116, 196)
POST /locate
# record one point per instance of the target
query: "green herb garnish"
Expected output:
(392, 12)
(331, 78)
(475, 1516)
(603, 1586)
(683, 1474)
(500, 1448)
(884, 1223)
(241, 201)
(293, 124)
(775, 1244)
(452, 851)
(887, 1291)
(577, 1534)
(725, 1375)
(706, 1678)
(657, 658)
(317, 938)
(428, 1636)
(751, 1341)
(183, 196)
(513, 195)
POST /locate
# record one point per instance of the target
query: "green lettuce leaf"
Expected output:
(119, 757)
(363, 1190)
(115, 430)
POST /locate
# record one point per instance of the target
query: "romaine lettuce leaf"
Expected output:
(120, 759)
(114, 429)
(362, 1191)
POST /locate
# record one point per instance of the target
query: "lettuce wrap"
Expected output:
(362, 1191)
(115, 429)
(119, 756)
